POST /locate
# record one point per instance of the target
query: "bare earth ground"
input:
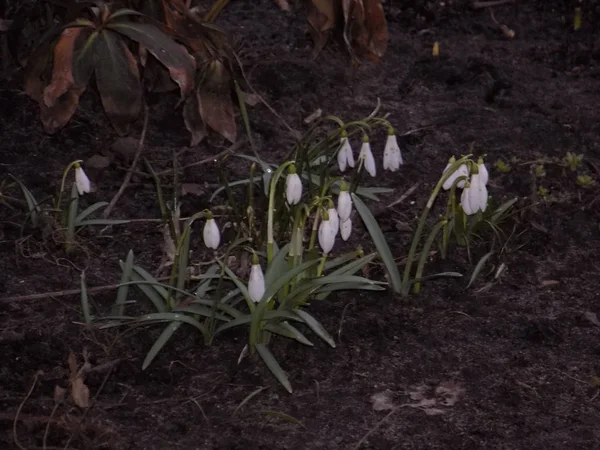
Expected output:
(520, 353)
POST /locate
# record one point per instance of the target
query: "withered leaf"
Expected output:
(80, 393)
(214, 101)
(193, 119)
(118, 80)
(180, 64)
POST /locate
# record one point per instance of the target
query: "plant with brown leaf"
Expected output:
(162, 45)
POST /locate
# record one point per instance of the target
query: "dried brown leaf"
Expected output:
(59, 394)
(283, 5)
(214, 101)
(192, 188)
(80, 393)
(193, 120)
(592, 318)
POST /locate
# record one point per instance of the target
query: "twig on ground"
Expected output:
(232, 149)
(491, 3)
(15, 436)
(404, 196)
(108, 287)
(127, 179)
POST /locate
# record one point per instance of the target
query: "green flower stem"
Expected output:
(71, 216)
(450, 213)
(424, 254)
(271, 211)
(62, 182)
(321, 268)
(423, 219)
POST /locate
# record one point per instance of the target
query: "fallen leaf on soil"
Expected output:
(283, 5)
(546, 283)
(79, 392)
(59, 394)
(449, 391)
(314, 116)
(382, 401)
(592, 318)
(251, 99)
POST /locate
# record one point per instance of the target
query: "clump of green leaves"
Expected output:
(502, 166)
(585, 181)
(572, 161)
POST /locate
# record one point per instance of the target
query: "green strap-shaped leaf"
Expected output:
(380, 243)
(119, 307)
(273, 366)
(160, 343)
(316, 326)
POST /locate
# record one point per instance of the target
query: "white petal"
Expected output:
(82, 181)
(211, 234)
(461, 171)
(256, 284)
(367, 156)
(344, 208)
(326, 236)
(465, 199)
(293, 188)
(346, 229)
(392, 157)
(345, 157)
(485, 176)
(334, 219)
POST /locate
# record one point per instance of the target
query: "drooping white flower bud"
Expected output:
(256, 283)
(474, 197)
(367, 157)
(344, 208)
(462, 170)
(392, 156)
(345, 156)
(293, 186)
(346, 229)
(483, 172)
(81, 180)
(333, 217)
(326, 234)
(211, 233)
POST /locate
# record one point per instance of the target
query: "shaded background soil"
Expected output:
(519, 349)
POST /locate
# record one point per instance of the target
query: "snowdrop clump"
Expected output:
(474, 197)
(392, 155)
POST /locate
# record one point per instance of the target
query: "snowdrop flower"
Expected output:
(367, 157)
(474, 197)
(211, 233)
(334, 218)
(392, 156)
(326, 234)
(81, 180)
(483, 172)
(462, 170)
(293, 186)
(256, 283)
(346, 229)
(344, 203)
(345, 157)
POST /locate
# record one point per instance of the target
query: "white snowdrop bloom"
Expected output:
(392, 156)
(334, 218)
(344, 203)
(293, 187)
(367, 157)
(81, 180)
(474, 197)
(211, 233)
(346, 229)
(326, 235)
(345, 156)
(483, 172)
(462, 170)
(256, 283)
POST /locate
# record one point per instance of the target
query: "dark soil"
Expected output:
(519, 349)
